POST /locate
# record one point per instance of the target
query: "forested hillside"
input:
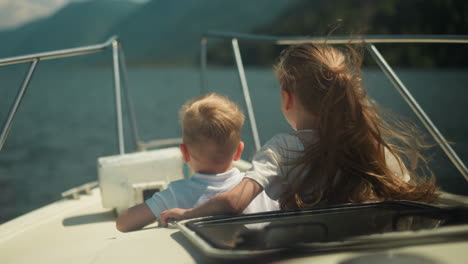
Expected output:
(368, 17)
(168, 32)
(156, 32)
(80, 23)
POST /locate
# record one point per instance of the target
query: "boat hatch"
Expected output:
(323, 229)
(129, 179)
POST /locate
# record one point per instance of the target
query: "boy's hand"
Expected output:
(173, 214)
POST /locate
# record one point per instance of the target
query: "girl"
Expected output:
(341, 152)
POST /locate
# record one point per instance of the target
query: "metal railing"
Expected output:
(369, 42)
(120, 80)
(119, 70)
(120, 77)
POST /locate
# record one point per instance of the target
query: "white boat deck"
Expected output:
(82, 231)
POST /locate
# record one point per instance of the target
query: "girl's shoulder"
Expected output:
(293, 140)
(281, 139)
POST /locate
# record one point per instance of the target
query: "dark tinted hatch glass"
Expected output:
(282, 229)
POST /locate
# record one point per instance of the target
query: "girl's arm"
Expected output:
(135, 218)
(231, 202)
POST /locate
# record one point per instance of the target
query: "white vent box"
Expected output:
(128, 179)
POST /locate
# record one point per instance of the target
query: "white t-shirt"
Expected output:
(189, 193)
(270, 171)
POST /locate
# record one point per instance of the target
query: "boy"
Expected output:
(211, 127)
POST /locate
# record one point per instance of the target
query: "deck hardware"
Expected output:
(74, 193)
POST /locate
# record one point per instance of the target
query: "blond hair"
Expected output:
(348, 164)
(212, 119)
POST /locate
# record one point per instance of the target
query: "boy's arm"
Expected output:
(231, 202)
(135, 218)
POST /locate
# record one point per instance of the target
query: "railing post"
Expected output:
(203, 55)
(405, 93)
(245, 89)
(128, 96)
(19, 98)
(118, 98)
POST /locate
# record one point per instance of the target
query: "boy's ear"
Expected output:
(239, 150)
(185, 153)
(287, 99)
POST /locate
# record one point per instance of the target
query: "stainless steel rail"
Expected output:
(159, 143)
(369, 41)
(420, 113)
(461, 39)
(242, 79)
(17, 103)
(118, 96)
(128, 96)
(35, 58)
(245, 90)
(203, 55)
(58, 53)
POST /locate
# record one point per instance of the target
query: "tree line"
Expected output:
(366, 17)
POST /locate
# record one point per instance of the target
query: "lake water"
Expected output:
(67, 120)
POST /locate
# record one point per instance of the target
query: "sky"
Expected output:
(14, 13)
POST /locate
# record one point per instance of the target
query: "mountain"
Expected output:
(158, 31)
(171, 30)
(168, 31)
(78, 23)
(384, 17)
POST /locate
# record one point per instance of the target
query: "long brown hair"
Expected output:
(350, 161)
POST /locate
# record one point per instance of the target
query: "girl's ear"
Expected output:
(239, 150)
(287, 99)
(185, 153)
